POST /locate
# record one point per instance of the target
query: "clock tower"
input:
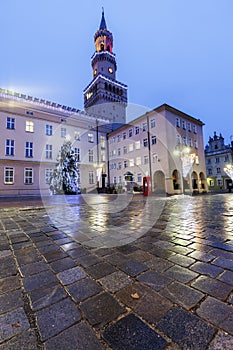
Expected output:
(105, 96)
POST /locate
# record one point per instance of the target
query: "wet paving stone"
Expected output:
(101, 309)
(212, 287)
(8, 284)
(57, 317)
(62, 264)
(131, 333)
(186, 329)
(133, 267)
(55, 255)
(13, 323)
(205, 257)
(78, 252)
(39, 280)
(181, 260)
(224, 263)
(155, 280)
(46, 295)
(100, 270)
(222, 341)
(206, 269)
(34, 268)
(115, 281)
(71, 275)
(227, 277)
(88, 260)
(223, 318)
(10, 301)
(159, 264)
(182, 295)
(84, 289)
(180, 274)
(26, 341)
(79, 337)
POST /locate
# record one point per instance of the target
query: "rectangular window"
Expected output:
(152, 123)
(136, 130)
(49, 151)
(137, 145)
(195, 144)
(77, 135)
(144, 127)
(91, 156)
(183, 124)
(178, 122)
(189, 126)
(118, 138)
(210, 172)
(190, 142)
(48, 174)
(145, 142)
(146, 160)
(217, 160)
(9, 176)
(178, 139)
(218, 170)
(91, 177)
(102, 141)
(130, 132)
(124, 135)
(120, 179)
(63, 132)
(226, 158)
(138, 161)
(49, 130)
(154, 158)
(114, 180)
(139, 177)
(124, 149)
(10, 147)
(77, 153)
(125, 164)
(29, 126)
(211, 183)
(102, 156)
(220, 183)
(194, 129)
(153, 140)
(184, 140)
(209, 161)
(119, 166)
(119, 152)
(90, 137)
(131, 162)
(10, 123)
(29, 149)
(131, 147)
(28, 176)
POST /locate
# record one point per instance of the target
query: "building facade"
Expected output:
(165, 145)
(218, 157)
(33, 132)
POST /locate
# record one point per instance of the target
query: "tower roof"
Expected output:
(103, 24)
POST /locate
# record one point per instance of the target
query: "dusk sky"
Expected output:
(177, 52)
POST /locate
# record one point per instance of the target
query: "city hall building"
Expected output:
(165, 145)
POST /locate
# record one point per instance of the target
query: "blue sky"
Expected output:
(168, 51)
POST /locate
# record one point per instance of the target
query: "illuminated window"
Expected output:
(131, 162)
(211, 183)
(131, 147)
(102, 141)
(90, 137)
(137, 145)
(8, 176)
(29, 126)
(138, 161)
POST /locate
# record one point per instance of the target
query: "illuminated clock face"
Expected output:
(110, 70)
(95, 72)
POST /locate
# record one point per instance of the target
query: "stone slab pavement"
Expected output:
(116, 272)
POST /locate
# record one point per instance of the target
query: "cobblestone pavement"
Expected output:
(150, 274)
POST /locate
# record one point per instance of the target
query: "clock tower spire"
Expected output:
(105, 96)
